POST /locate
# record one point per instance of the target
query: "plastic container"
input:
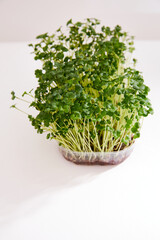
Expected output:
(97, 158)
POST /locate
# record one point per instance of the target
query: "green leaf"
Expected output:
(71, 95)
(48, 136)
(69, 22)
(135, 127)
(42, 36)
(78, 24)
(13, 95)
(78, 88)
(66, 108)
(13, 106)
(25, 93)
(76, 115)
(54, 105)
(136, 135)
(64, 49)
(60, 55)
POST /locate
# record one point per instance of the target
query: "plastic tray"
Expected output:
(97, 158)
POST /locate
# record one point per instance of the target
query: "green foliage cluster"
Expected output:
(89, 97)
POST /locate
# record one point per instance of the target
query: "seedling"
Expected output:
(90, 97)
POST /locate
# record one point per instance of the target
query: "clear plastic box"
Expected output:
(97, 158)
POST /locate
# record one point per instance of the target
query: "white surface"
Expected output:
(43, 196)
(22, 20)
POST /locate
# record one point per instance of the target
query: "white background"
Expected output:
(43, 196)
(22, 20)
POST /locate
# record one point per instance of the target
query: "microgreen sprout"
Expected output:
(90, 97)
